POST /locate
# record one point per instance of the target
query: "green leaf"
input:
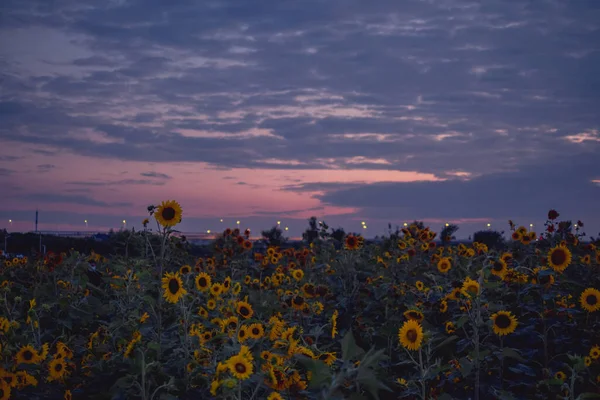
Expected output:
(321, 374)
(350, 350)
(466, 367)
(446, 341)
(588, 395)
(367, 378)
(509, 352)
(461, 321)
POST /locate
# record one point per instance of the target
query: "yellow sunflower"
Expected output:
(203, 281)
(28, 355)
(185, 269)
(450, 327)
(5, 390)
(211, 304)
(560, 375)
(470, 287)
(173, 287)
(298, 274)
(590, 299)
(240, 367)
(499, 268)
(444, 265)
(168, 214)
(415, 315)
(256, 331)
(443, 306)
(559, 258)
(503, 323)
(411, 335)
(244, 309)
(595, 352)
(57, 369)
(419, 285)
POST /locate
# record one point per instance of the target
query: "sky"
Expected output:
(446, 111)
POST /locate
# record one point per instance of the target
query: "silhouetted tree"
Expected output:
(312, 232)
(338, 234)
(274, 236)
(447, 233)
(492, 239)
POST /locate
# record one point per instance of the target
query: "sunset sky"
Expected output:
(461, 111)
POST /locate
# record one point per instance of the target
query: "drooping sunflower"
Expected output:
(503, 323)
(203, 281)
(411, 335)
(450, 327)
(443, 306)
(244, 309)
(28, 355)
(328, 358)
(173, 287)
(5, 390)
(470, 287)
(499, 268)
(560, 375)
(240, 367)
(595, 352)
(256, 331)
(420, 286)
(590, 299)
(444, 265)
(559, 258)
(185, 269)
(414, 315)
(168, 214)
(57, 369)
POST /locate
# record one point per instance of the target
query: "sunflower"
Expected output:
(587, 361)
(415, 315)
(244, 309)
(561, 376)
(590, 299)
(328, 358)
(504, 323)
(450, 327)
(240, 367)
(5, 390)
(28, 355)
(274, 396)
(168, 214)
(411, 335)
(298, 274)
(211, 304)
(57, 369)
(173, 287)
(216, 289)
(420, 286)
(256, 331)
(499, 268)
(559, 258)
(587, 259)
(443, 306)
(444, 265)
(185, 269)
(203, 281)
(352, 242)
(334, 330)
(470, 287)
(237, 288)
(595, 352)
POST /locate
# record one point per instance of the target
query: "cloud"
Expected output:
(45, 168)
(123, 182)
(155, 175)
(43, 198)
(6, 171)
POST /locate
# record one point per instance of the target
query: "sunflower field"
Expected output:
(403, 319)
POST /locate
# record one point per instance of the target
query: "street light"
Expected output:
(124, 224)
(221, 220)
(10, 222)
(405, 224)
(278, 222)
(287, 229)
(208, 231)
(531, 225)
(237, 222)
(488, 225)
(447, 224)
(363, 222)
(86, 224)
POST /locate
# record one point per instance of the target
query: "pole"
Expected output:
(36, 220)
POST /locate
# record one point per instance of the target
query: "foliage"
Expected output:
(415, 320)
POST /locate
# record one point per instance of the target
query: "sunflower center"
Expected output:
(202, 282)
(58, 367)
(168, 213)
(255, 331)
(502, 321)
(240, 368)
(412, 335)
(173, 286)
(558, 257)
(498, 266)
(244, 311)
(298, 300)
(28, 355)
(591, 300)
(242, 333)
(472, 288)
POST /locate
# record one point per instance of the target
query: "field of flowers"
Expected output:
(403, 319)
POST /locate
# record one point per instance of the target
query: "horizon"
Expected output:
(455, 111)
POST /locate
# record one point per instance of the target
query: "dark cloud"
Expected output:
(155, 175)
(45, 168)
(123, 182)
(6, 171)
(70, 199)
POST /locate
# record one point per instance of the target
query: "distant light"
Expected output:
(364, 227)
(124, 221)
(447, 224)
(287, 229)
(405, 224)
(85, 220)
(363, 222)
(320, 222)
(575, 225)
(208, 231)
(10, 221)
(221, 220)
(237, 222)
(278, 222)
(531, 225)
(488, 225)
